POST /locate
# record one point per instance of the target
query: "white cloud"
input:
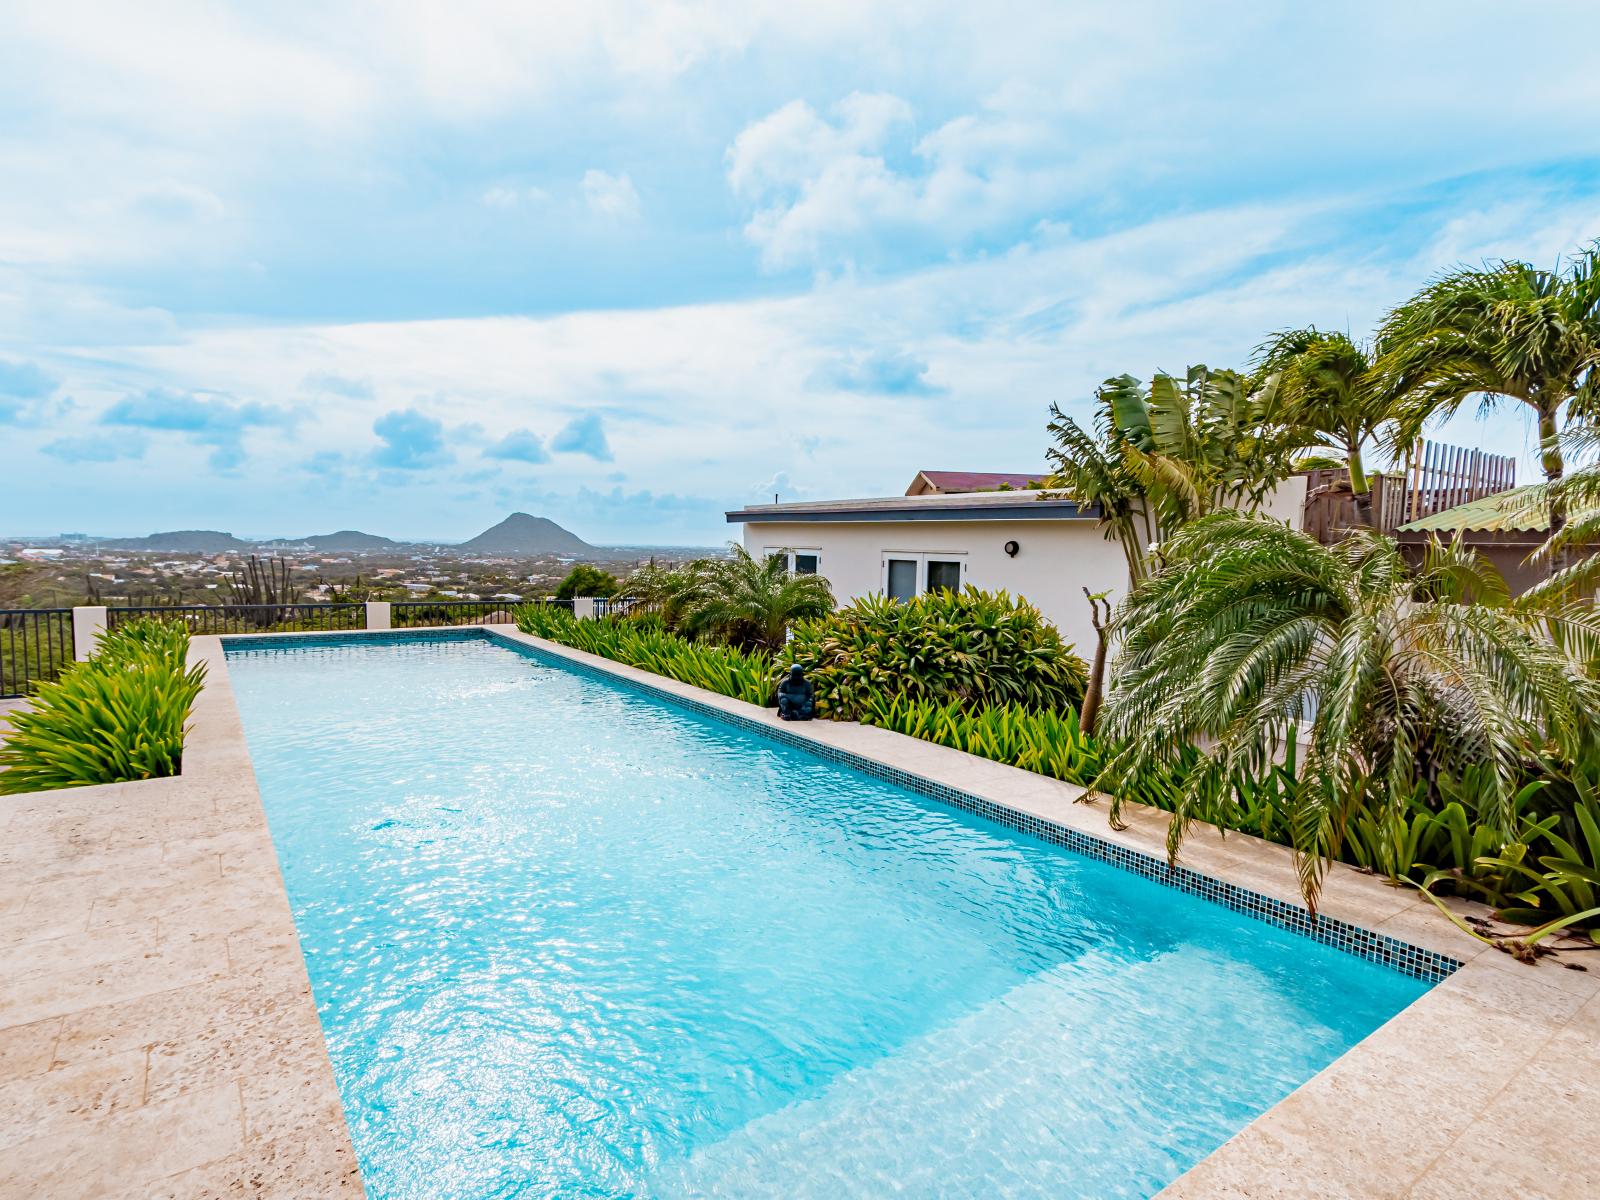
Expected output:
(612, 196)
(823, 188)
(511, 197)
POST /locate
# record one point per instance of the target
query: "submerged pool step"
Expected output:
(951, 1113)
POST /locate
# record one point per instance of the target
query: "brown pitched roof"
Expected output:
(946, 482)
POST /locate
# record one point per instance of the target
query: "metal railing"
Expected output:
(415, 614)
(249, 618)
(616, 606)
(35, 646)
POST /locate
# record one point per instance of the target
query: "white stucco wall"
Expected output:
(1055, 559)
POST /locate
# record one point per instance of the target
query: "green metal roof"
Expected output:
(1504, 512)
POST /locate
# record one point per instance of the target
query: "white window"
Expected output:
(799, 562)
(906, 574)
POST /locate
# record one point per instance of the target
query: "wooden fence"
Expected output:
(1435, 477)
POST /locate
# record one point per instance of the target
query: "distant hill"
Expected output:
(350, 539)
(521, 534)
(182, 541)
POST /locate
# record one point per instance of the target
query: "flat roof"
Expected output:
(967, 506)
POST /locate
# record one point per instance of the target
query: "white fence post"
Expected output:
(88, 623)
(583, 608)
(378, 614)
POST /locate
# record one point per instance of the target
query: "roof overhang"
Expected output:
(845, 512)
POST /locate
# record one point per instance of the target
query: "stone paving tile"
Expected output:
(287, 1169)
(28, 1049)
(127, 1150)
(129, 1027)
(172, 1015)
(38, 1104)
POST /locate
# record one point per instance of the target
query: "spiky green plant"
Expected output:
(1252, 631)
(722, 669)
(120, 716)
(1046, 743)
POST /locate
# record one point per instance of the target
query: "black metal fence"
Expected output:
(35, 646)
(413, 614)
(249, 618)
(36, 643)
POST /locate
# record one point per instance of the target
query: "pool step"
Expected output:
(1007, 1100)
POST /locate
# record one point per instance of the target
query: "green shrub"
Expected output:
(976, 648)
(720, 669)
(118, 717)
(584, 580)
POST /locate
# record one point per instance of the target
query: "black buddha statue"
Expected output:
(796, 698)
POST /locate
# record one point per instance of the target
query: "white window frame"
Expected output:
(788, 553)
(921, 558)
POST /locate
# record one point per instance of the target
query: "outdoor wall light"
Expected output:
(1011, 549)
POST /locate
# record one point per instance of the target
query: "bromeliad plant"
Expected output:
(120, 716)
(972, 647)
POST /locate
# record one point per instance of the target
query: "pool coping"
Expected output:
(236, 1094)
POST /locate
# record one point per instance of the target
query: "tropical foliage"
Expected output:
(738, 599)
(1159, 457)
(1506, 330)
(971, 646)
(752, 601)
(1046, 742)
(722, 669)
(1334, 393)
(120, 716)
(1251, 633)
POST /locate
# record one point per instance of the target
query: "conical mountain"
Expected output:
(522, 534)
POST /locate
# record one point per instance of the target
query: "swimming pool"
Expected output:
(568, 939)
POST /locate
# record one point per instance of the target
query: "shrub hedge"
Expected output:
(972, 647)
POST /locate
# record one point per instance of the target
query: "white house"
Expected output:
(1022, 541)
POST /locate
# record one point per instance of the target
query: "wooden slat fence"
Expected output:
(1435, 477)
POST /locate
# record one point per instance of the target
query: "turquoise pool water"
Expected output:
(569, 940)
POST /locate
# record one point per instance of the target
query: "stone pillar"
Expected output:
(378, 614)
(583, 608)
(88, 623)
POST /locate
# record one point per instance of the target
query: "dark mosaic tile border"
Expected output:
(1426, 965)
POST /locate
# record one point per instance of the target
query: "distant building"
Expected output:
(945, 483)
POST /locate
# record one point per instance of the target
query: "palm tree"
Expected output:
(1249, 626)
(1336, 395)
(1162, 456)
(753, 601)
(1504, 330)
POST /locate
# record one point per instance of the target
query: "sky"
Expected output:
(407, 267)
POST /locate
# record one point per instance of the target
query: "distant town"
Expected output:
(521, 558)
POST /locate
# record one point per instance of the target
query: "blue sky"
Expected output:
(288, 268)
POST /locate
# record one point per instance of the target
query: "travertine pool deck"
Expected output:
(157, 1033)
(158, 1037)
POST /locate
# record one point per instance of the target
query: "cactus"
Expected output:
(268, 583)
